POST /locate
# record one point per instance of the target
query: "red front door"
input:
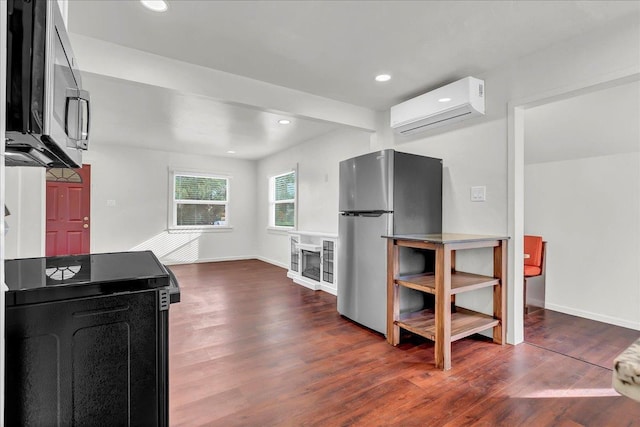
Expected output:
(68, 206)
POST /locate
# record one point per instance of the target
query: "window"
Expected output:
(282, 198)
(63, 175)
(200, 201)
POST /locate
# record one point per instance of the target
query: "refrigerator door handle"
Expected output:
(373, 214)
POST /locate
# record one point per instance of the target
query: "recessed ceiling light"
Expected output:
(383, 77)
(231, 152)
(155, 5)
(284, 122)
(444, 99)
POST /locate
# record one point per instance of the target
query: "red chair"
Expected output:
(534, 249)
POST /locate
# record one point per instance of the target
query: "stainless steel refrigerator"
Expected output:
(383, 193)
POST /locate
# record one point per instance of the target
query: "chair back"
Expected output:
(533, 247)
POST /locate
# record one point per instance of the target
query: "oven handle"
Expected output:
(85, 118)
(78, 117)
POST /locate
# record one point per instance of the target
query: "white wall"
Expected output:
(589, 212)
(598, 123)
(317, 162)
(25, 196)
(64, 10)
(138, 181)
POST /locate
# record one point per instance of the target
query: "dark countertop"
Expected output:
(37, 280)
(446, 237)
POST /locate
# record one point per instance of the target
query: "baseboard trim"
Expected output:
(229, 258)
(594, 316)
(203, 260)
(329, 290)
(273, 261)
(535, 302)
(314, 286)
(311, 284)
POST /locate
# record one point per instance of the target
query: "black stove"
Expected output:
(87, 339)
(36, 280)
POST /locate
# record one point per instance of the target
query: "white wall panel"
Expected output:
(25, 199)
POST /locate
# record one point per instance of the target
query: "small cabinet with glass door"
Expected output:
(312, 261)
(294, 258)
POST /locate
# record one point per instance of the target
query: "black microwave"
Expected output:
(47, 109)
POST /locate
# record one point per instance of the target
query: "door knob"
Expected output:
(85, 226)
(86, 218)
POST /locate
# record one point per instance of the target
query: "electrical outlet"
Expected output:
(478, 194)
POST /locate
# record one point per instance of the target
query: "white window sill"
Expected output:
(280, 230)
(219, 229)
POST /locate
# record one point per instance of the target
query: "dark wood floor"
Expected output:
(594, 342)
(250, 348)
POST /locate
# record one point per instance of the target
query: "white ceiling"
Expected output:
(328, 48)
(134, 114)
(599, 123)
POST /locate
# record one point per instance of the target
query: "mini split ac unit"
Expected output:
(452, 103)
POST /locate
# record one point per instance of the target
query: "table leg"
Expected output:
(443, 308)
(453, 270)
(499, 291)
(393, 300)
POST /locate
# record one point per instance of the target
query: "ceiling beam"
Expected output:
(109, 59)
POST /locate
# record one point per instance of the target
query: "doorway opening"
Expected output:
(68, 206)
(581, 182)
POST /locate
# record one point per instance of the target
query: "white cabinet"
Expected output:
(294, 259)
(313, 260)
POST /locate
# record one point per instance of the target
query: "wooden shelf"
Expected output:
(452, 323)
(463, 323)
(460, 282)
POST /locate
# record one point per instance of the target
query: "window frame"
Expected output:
(273, 202)
(173, 217)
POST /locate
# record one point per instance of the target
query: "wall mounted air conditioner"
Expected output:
(452, 103)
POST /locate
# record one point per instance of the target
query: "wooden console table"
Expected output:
(446, 323)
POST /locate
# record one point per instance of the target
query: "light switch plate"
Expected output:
(111, 203)
(478, 194)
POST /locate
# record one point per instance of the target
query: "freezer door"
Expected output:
(362, 275)
(417, 194)
(365, 182)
